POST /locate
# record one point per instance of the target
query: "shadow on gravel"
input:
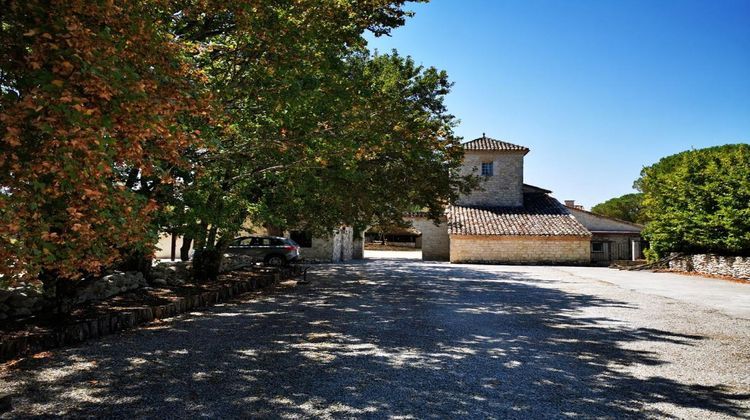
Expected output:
(386, 338)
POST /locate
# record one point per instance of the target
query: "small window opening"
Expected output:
(487, 169)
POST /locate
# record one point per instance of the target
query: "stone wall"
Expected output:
(520, 249)
(339, 246)
(110, 285)
(27, 300)
(347, 243)
(20, 301)
(504, 187)
(738, 267)
(321, 249)
(176, 273)
(358, 247)
(435, 239)
(117, 319)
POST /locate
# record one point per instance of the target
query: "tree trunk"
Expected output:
(211, 239)
(58, 291)
(206, 264)
(136, 261)
(187, 242)
(173, 251)
(200, 236)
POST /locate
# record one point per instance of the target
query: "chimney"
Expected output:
(570, 203)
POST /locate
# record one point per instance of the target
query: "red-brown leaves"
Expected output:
(88, 87)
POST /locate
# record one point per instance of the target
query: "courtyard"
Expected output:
(398, 337)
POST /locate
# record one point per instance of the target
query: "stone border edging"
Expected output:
(111, 323)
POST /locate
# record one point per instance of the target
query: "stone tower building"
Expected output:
(500, 166)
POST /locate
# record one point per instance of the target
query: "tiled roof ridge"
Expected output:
(487, 143)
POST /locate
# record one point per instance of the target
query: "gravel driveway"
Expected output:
(402, 338)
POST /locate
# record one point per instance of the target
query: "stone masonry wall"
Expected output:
(26, 300)
(504, 187)
(738, 267)
(339, 246)
(435, 239)
(321, 249)
(358, 248)
(347, 243)
(521, 250)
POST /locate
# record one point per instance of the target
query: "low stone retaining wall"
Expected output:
(738, 267)
(117, 321)
(27, 300)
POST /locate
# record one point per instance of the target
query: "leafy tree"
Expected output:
(92, 94)
(103, 103)
(699, 201)
(628, 207)
(395, 151)
(309, 115)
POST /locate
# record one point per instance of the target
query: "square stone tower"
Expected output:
(500, 165)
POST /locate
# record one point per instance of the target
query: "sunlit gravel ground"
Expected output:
(406, 339)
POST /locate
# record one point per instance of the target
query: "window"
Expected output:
(264, 241)
(597, 247)
(302, 238)
(486, 168)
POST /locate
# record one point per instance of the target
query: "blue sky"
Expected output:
(596, 88)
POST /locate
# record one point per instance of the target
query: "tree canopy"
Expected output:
(628, 207)
(121, 119)
(88, 91)
(699, 201)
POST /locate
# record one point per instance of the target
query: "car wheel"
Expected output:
(275, 260)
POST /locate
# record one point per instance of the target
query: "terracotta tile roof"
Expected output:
(486, 143)
(541, 215)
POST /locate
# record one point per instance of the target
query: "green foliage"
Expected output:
(628, 207)
(699, 201)
(316, 132)
(651, 255)
(123, 119)
(90, 92)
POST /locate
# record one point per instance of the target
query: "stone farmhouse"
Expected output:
(504, 221)
(611, 239)
(509, 222)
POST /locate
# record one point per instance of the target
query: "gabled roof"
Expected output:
(606, 223)
(527, 189)
(541, 215)
(486, 143)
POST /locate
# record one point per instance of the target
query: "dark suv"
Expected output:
(272, 250)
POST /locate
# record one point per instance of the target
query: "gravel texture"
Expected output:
(406, 339)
